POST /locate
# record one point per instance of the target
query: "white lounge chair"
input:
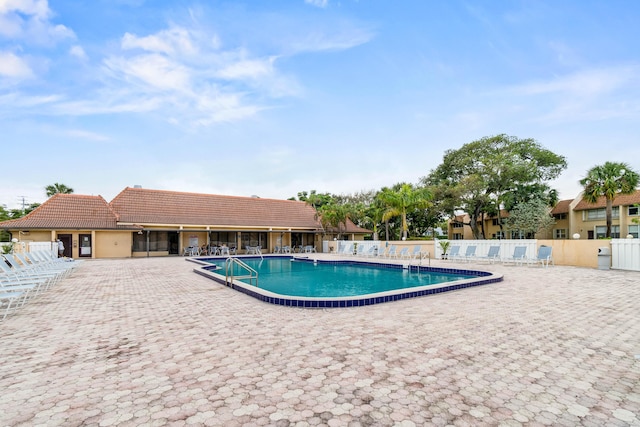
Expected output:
(26, 272)
(392, 252)
(454, 252)
(519, 256)
(32, 263)
(50, 259)
(469, 253)
(11, 299)
(491, 256)
(346, 249)
(367, 252)
(372, 252)
(32, 286)
(359, 250)
(544, 256)
(404, 253)
(417, 252)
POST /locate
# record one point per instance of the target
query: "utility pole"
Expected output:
(24, 202)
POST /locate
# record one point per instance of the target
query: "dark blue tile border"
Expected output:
(480, 278)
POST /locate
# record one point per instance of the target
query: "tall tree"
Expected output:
(382, 200)
(57, 188)
(334, 215)
(406, 199)
(529, 217)
(373, 218)
(478, 177)
(608, 181)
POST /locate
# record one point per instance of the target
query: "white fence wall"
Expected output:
(625, 254)
(51, 247)
(482, 247)
(363, 245)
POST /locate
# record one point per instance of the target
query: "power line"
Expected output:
(24, 203)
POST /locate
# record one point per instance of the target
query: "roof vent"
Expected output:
(137, 186)
(254, 196)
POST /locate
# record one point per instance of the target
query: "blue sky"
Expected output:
(270, 98)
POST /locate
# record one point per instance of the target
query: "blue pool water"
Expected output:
(285, 276)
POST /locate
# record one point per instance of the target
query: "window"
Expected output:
(302, 239)
(560, 233)
(228, 238)
(254, 239)
(615, 231)
(601, 231)
(498, 235)
(634, 230)
(560, 216)
(595, 214)
(497, 221)
(457, 225)
(457, 236)
(522, 235)
(158, 241)
(633, 210)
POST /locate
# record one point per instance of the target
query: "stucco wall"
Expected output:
(33, 236)
(113, 244)
(578, 253)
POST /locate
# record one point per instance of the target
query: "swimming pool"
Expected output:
(306, 282)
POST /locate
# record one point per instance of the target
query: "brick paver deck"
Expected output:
(148, 342)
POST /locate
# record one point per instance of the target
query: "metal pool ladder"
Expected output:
(228, 270)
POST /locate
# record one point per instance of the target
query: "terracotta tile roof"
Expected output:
(144, 206)
(350, 228)
(68, 211)
(561, 207)
(621, 200)
(503, 214)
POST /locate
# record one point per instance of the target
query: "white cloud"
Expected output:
(108, 104)
(154, 70)
(586, 95)
(83, 134)
(37, 8)
(340, 39)
(172, 41)
(10, 27)
(30, 20)
(78, 52)
(21, 101)
(317, 3)
(14, 67)
(194, 90)
(181, 73)
(220, 107)
(583, 83)
(247, 69)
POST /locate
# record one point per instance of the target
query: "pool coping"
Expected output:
(480, 278)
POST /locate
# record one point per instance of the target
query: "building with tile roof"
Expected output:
(574, 217)
(589, 220)
(143, 222)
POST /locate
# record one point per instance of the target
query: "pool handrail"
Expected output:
(228, 263)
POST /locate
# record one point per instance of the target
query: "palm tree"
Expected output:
(334, 215)
(404, 200)
(382, 200)
(57, 188)
(373, 217)
(609, 180)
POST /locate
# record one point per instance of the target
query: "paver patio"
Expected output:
(148, 342)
